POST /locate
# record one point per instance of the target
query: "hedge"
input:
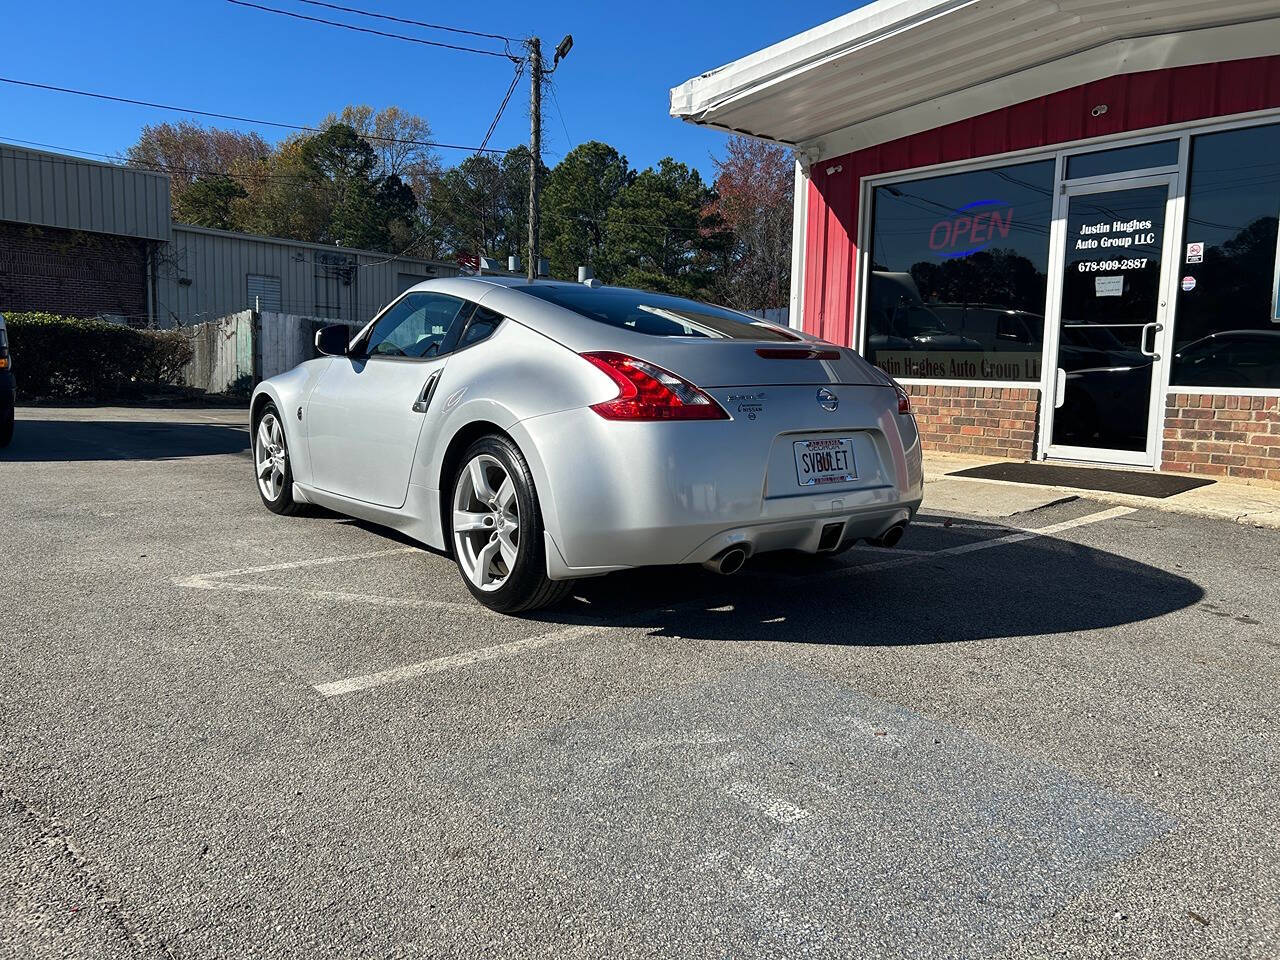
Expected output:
(70, 358)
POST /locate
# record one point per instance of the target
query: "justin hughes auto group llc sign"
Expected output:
(959, 365)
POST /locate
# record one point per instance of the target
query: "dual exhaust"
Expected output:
(730, 560)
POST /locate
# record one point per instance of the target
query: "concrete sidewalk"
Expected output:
(1255, 506)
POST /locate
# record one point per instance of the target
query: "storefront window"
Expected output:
(1123, 159)
(958, 275)
(1226, 330)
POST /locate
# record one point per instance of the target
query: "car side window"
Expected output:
(416, 327)
(483, 323)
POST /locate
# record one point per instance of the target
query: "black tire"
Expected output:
(527, 586)
(6, 421)
(283, 502)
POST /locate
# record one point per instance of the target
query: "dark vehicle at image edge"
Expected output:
(8, 388)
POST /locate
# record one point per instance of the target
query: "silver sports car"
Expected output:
(545, 431)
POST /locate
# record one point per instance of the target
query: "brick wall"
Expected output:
(1223, 436)
(983, 421)
(72, 273)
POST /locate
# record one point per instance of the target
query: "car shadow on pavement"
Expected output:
(43, 441)
(1029, 588)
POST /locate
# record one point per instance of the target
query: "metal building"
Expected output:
(79, 237)
(84, 238)
(204, 273)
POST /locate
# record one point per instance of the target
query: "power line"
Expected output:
(228, 116)
(370, 30)
(414, 23)
(568, 141)
(503, 106)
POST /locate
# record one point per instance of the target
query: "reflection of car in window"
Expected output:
(996, 328)
(1108, 383)
(899, 319)
(1248, 358)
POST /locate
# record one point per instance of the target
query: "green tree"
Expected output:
(663, 232)
(579, 193)
(326, 188)
(481, 206)
(463, 206)
(398, 139)
(209, 202)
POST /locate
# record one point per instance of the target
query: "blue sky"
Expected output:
(212, 55)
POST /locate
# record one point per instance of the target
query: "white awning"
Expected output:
(895, 67)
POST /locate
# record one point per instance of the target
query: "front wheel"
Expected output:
(496, 527)
(271, 463)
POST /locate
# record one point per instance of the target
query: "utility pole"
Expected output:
(535, 149)
(536, 75)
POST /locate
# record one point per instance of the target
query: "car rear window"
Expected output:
(656, 314)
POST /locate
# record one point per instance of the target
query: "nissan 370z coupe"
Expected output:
(546, 431)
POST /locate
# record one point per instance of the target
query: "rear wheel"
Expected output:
(271, 463)
(497, 533)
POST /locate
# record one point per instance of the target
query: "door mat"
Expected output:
(1138, 484)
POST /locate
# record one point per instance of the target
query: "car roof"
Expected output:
(506, 295)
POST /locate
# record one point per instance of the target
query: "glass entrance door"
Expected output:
(1111, 312)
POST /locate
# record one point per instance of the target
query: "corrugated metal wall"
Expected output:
(204, 274)
(1136, 101)
(50, 190)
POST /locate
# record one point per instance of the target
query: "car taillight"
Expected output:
(647, 392)
(904, 399)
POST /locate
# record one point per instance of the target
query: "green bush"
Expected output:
(70, 358)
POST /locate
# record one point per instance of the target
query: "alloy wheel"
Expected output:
(271, 456)
(486, 522)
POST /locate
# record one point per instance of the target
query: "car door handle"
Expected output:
(424, 397)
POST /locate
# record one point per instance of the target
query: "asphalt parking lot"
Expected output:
(227, 733)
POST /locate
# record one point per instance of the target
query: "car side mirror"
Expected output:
(333, 340)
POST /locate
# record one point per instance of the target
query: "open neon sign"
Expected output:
(970, 228)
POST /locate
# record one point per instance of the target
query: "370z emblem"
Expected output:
(828, 400)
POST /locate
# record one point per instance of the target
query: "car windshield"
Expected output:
(656, 314)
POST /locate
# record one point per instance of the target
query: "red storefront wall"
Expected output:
(953, 417)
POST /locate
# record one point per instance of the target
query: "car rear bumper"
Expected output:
(619, 495)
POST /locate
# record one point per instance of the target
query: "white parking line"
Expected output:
(961, 525)
(221, 580)
(201, 580)
(884, 551)
(1021, 535)
(453, 661)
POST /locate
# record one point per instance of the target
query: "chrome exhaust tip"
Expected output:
(727, 562)
(891, 536)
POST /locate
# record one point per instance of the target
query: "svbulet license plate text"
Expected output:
(824, 461)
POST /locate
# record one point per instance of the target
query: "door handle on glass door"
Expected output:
(1060, 389)
(1142, 345)
(424, 397)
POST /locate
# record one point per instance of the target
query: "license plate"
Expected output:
(825, 461)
